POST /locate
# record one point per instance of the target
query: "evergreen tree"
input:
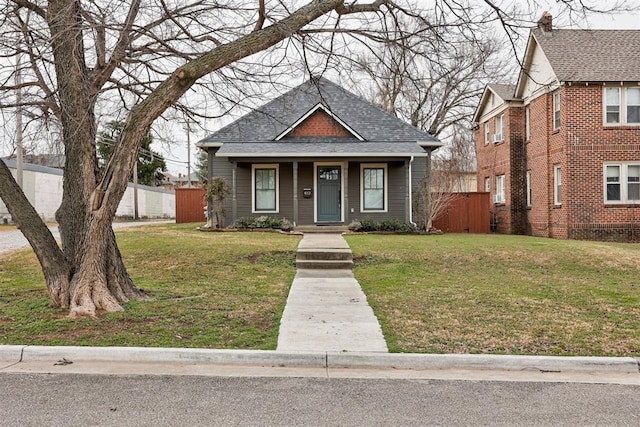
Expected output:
(151, 165)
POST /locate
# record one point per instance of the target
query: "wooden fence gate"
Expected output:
(190, 206)
(467, 213)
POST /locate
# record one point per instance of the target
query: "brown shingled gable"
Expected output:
(319, 124)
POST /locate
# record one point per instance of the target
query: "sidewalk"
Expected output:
(326, 309)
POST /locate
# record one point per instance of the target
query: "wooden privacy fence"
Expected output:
(467, 213)
(190, 206)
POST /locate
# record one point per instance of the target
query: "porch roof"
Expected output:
(345, 148)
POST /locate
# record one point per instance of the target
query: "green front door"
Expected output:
(329, 198)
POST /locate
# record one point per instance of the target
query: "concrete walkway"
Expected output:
(326, 309)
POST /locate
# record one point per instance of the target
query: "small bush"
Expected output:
(395, 225)
(367, 225)
(263, 222)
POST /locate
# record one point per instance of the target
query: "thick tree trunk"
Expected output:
(57, 270)
(88, 275)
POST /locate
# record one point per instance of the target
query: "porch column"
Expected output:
(295, 192)
(346, 192)
(407, 196)
(234, 191)
(210, 154)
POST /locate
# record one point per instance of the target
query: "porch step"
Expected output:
(321, 229)
(324, 264)
(328, 254)
(324, 258)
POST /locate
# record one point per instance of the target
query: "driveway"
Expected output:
(11, 240)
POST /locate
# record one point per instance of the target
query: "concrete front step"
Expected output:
(333, 229)
(324, 264)
(324, 254)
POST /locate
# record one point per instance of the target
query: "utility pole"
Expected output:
(19, 144)
(135, 190)
(188, 129)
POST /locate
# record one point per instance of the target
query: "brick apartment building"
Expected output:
(559, 151)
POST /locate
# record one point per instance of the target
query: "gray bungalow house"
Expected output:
(320, 155)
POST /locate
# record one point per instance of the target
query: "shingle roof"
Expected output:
(258, 129)
(506, 92)
(592, 55)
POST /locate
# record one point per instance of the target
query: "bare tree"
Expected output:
(82, 59)
(437, 191)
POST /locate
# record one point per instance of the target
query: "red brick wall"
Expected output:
(581, 147)
(493, 160)
(320, 124)
(589, 145)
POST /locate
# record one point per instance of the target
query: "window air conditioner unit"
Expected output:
(497, 198)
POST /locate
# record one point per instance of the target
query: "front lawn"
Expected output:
(212, 290)
(498, 294)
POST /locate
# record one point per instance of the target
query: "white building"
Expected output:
(43, 187)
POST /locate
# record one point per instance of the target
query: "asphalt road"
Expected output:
(88, 400)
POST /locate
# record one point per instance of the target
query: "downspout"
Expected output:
(410, 187)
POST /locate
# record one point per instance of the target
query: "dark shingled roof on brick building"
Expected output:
(592, 55)
(381, 132)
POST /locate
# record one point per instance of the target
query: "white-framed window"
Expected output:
(265, 191)
(529, 188)
(633, 105)
(557, 185)
(556, 110)
(527, 124)
(373, 188)
(500, 193)
(487, 184)
(487, 133)
(499, 135)
(622, 182)
(621, 105)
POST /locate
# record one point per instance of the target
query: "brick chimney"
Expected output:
(546, 22)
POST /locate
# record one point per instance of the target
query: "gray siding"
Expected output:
(397, 182)
(396, 192)
(305, 206)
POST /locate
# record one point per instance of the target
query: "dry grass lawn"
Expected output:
(502, 294)
(212, 290)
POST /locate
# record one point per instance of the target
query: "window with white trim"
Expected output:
(373, 188)
(487, 133)
(556, 111)
(487, 184)
(527, 124)
(622, 183)
(557, 185)
(529, 188)
(264, 183)
(500, 193)
(499, 135)
(622, 105)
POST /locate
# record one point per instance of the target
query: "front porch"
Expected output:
(324, 193)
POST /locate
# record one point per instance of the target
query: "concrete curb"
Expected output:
(330, 360)
(11, 353)
(174, 355)
(484, 362)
